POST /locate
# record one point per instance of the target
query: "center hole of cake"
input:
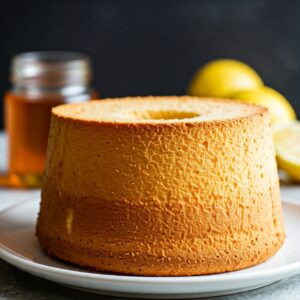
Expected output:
(163, 114)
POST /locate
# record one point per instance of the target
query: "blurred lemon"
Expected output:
(287, 145)
(222, 78)
(279, 108)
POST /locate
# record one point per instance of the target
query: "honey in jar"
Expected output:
(41, 80)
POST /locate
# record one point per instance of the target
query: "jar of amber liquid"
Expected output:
(41, 80)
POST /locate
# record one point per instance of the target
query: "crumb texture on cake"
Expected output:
(161, 186)
(168, 109)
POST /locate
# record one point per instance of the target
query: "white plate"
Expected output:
(19, 247)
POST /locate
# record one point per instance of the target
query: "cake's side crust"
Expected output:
(145, 265)
(190, 241)
(163, 199)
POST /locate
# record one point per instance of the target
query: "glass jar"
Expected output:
(41, 80)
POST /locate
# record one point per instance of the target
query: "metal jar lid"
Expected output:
(51, 69)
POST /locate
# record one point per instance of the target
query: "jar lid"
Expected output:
(51, 69)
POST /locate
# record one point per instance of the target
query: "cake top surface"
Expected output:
(163, 109)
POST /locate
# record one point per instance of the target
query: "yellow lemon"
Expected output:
(279, 108)
(222, 78)
(287, 145)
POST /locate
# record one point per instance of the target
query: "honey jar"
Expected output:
(40, 81)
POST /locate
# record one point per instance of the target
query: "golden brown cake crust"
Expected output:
(197, 195)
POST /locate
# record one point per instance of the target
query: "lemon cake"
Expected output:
(161, 186)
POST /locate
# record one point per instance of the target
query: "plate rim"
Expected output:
(17, 260)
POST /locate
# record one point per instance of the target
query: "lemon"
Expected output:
(279, 108)
(222, 78)
(287, 145)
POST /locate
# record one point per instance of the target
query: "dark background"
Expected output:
(154, 47)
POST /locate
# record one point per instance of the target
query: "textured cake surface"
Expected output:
(161, 186)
